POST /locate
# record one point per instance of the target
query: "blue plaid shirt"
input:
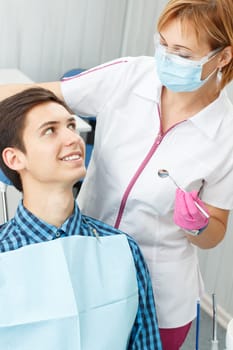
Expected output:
(26, 229)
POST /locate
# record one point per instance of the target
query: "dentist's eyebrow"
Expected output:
(176, 45)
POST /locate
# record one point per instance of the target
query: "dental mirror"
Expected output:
(163, 173)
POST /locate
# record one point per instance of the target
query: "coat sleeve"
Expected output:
(87, 93)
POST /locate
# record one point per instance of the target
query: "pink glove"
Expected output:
(186, 214)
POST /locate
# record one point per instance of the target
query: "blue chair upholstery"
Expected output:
(4, 179)
(89, 149)
(90, 119)
(4, 182)
(72, 72)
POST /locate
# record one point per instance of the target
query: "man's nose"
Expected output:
(70, 136)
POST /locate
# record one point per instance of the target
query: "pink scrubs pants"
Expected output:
(173, 338)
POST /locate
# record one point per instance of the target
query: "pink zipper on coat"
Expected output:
(142, 166)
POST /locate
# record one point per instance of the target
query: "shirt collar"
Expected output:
(209, 119)
(29, 223)
(150, 86)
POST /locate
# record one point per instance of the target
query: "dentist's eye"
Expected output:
(185, 55)
(163, 44)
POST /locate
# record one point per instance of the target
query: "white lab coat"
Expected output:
(198, 153)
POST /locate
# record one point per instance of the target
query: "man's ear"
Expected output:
(13, 158)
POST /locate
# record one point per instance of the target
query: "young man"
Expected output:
(67, 281)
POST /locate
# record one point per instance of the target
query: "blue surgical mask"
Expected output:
(180, 74)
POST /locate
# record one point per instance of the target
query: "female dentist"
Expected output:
(168, 112)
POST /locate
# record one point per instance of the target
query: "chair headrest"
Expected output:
(4, 179)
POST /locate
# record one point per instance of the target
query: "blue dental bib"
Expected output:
(72, 293)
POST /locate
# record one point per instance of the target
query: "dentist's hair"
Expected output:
(13, 112)
(211, 18)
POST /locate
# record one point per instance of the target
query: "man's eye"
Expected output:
(49, 131)
(72, 126)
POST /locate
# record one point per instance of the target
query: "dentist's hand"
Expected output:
(187, 214)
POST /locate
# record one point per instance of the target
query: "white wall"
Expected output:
(217, 269)
(47, 37)
(44, 38)
(216, 266)
(230, 91)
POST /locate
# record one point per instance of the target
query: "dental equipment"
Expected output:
(214, 341)
(3, 187)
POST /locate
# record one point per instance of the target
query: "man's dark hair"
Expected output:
(13, 111)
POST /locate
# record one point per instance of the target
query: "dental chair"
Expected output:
(229, 336)
(90, 135)
(4, 182)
